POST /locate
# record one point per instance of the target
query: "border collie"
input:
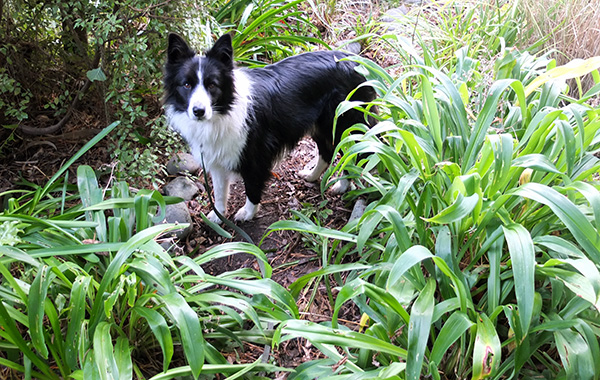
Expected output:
(240, 121)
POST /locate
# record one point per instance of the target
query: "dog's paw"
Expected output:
(246, 213)
(340, 187)
(313, 175)
(212, 216)
(309, 175)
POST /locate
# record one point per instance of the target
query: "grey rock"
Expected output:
(350, 47)
(181, 163)
(358, 210)
(182, 187)
(294, 204)
(178, 213)
(168, 244)
(394, 14)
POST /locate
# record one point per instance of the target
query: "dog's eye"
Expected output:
(187, 86)
(211, 86)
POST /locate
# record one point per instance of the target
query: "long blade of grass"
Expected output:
(321, 334)
(123, 358)
(418, 330)
(485, 118)
(103, 353)
(35, 307)
(79, 153)
(583, 231)
(90, 194)
(190, 331)
(453, 328)
(575, 68)
(575, 355)
(183, 371)
(77, 305)
(522, 256)
(487, 350)
(264, 287)
(592, 195)
(461, 207)
(159, 328)
(310, 228)
(432, 116)
(228, 249)
(297, 286)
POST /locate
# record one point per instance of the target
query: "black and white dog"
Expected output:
(240, 121)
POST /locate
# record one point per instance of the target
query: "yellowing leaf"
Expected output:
(574, 69)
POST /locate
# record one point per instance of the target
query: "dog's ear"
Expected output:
(222, 50)
(178, 49)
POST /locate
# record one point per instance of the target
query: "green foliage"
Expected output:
(119, 296)
(119, 47)
(442, 29)
(99, 296)
(13, 100)
(478, 254)
(267, 29)
(479, 247)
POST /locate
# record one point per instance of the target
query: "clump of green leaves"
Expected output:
(97, 295)
(479, 247)
(267, 30)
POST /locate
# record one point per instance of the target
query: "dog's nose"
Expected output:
(199, 112)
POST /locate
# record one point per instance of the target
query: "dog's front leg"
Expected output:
(220, 182)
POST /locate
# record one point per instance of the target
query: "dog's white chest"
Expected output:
(219, 142)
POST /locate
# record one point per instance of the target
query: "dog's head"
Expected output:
(199, 85)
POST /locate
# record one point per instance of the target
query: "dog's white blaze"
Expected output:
(219, 141)
(200, 99)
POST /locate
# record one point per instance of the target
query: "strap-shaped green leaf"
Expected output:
(190, 331)
(487, 350)
(418, 330)
(522, 257)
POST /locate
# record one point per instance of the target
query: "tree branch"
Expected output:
(53, 128)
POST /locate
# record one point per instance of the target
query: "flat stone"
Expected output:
(350, 47)
(181, 163)
(358, 210)
(178, 213)
(394, 14)
(182, 187)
